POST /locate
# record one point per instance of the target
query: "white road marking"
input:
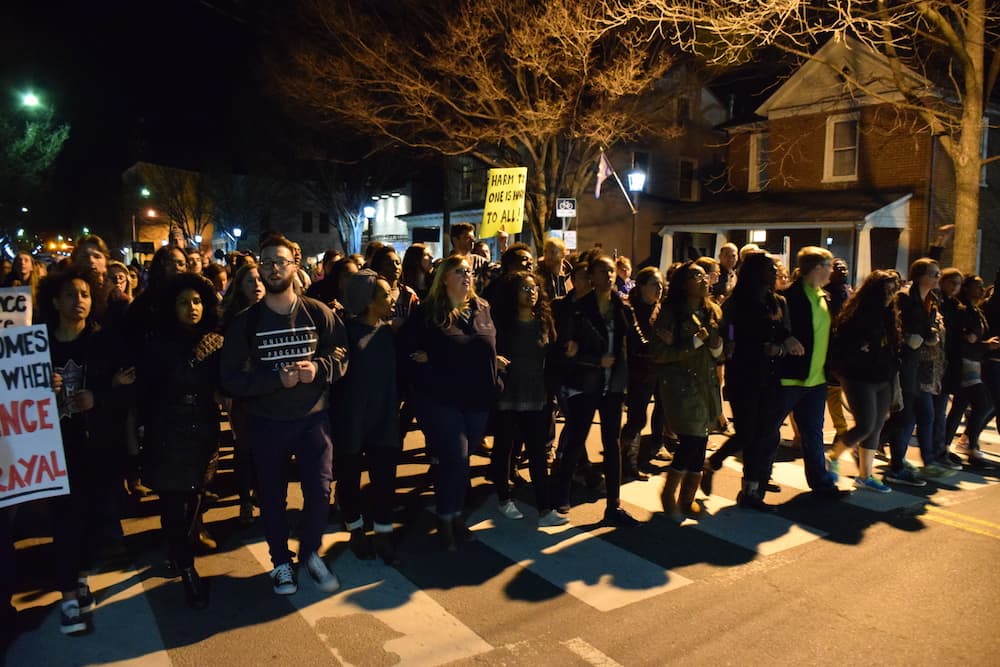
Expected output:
(590, 654)
(430, 635)
(594, 571)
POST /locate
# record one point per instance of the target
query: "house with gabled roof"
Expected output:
(829, 160)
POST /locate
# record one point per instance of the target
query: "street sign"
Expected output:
(565, 208)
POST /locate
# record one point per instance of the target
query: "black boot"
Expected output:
(195, 589)
(460, 530)
(630, 460)
(446, 533)
(360, 545)
(386, 549)
(752, 497)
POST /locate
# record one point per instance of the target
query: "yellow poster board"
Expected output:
(504, 201)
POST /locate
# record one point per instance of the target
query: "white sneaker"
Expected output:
(551, 518)
(325, 580)
(509, 510)
(283, 580)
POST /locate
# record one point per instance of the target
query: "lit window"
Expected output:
(841, 157)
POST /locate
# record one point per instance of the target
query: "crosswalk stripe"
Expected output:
(589, 653)
(755, 531)
(790, 474)
(428, 634)
(123, 612)
(595, 571)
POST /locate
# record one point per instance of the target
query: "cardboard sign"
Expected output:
(15, 307)
(32, 461)
(504, 201)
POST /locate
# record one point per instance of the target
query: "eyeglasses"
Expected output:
(529, 289)
(464, 272)
(279, 263)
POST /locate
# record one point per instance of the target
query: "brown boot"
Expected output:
(689, 487)
(669, 495)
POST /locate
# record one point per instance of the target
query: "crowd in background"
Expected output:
(333, 368)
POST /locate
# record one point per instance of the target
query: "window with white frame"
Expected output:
(840, 161)
(687, 182)
(760, 148)
(468, 184)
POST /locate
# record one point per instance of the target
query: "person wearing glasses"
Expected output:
(280, 357)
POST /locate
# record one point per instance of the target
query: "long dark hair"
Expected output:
(167, 297)
(675, 301)
(866, 311)
(758, 275)
(504, 307)
(412, 266)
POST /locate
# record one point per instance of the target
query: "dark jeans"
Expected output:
(178, 512)
(580, 411)
(808, 406)
(869, 403)
(921, 410)
(636, 401)
(273, 442)
(690, 454)
(511, 428)
(756, 434)
(449, 431)
(382, 473)
(978, 396)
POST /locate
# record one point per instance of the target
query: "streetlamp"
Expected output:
(636, 182)
(369, 216)
(30, 101)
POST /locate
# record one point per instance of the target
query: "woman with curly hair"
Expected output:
(864, 355)
(687, 347)
(452, 342)
(178, 381)
(525, 331)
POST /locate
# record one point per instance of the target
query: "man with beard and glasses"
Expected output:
(280, 357)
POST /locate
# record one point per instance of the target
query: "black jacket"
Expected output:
(800, 316)
(588, 329)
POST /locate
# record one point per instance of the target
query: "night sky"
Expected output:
(169, 81)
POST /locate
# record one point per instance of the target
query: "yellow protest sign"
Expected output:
(504, 201)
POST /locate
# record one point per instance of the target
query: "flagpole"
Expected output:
(621, 185)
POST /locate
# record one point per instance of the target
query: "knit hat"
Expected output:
(359, 290)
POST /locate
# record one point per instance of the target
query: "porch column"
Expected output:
(903, 252)
(864, 263)
(720, 240)
(666, 250)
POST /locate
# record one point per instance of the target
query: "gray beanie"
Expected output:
(358, 291)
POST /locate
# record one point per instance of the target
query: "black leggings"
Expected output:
(580, 410)
(690, 454)
(179, 513)
(533, 428)
(382, 474)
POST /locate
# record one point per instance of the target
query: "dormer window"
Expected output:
(840, 162)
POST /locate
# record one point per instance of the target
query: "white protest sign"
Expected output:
(32, 461)
(15, 307)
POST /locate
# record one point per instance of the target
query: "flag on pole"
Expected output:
(604, 170)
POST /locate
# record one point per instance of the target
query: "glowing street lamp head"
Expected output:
(151, 213)
(369, 211)
(197, 238)
(636, 180)
(30, 100)
(237, 232)
(145, 192)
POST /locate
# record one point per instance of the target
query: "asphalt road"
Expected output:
(908, 577)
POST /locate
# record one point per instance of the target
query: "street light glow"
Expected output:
(369, 211)
(197, 238)
(24, 209)
(145, 192)
(636, 180)
(151, 213)
(237, 232)
(30, 100)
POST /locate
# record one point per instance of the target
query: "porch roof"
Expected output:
(789, 210)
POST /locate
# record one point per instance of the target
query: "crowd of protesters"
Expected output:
(336, 367)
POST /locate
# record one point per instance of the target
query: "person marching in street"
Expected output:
(280, 357)
(864, 356)
(364, 413)
(451, 342)
(642, 381)
(179, 409)
(524, 333)
(595, 375)
(686, 350)
(803, 378)
(755, 326)
(840, 291)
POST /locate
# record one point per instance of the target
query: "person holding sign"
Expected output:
(80, 386)
(23, 273)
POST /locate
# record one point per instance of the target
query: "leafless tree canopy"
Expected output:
(510, 82)
(943, 55)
